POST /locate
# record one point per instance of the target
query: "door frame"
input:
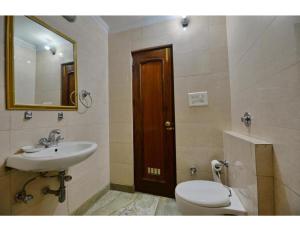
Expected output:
(135, 138)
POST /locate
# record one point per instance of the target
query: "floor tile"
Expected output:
(133, 204)
(166, 207)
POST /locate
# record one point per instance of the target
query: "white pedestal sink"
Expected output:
(57, 158)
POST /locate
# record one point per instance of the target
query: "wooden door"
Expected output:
(67, 84)
(153, 121)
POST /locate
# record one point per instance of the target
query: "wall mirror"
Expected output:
(40, 66)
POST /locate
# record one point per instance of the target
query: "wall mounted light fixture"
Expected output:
(51, 49)
(185, 22)
(70, 18)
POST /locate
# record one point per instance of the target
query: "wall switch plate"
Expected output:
(197, 99)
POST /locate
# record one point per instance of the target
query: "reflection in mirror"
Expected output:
(44, 66)
(67, 84)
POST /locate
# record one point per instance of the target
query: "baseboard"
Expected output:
(89, 202)
(123, 188)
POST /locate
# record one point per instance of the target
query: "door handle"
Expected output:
(169, 126)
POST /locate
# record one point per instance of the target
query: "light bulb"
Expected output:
(47, 47)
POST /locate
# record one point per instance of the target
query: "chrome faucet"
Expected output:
(52, 139)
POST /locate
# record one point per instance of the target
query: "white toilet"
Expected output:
(200, 197)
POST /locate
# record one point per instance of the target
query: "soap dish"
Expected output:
(31, 149)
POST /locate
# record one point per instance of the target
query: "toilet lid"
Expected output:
(204, 193)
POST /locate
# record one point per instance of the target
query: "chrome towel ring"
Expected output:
(85, 98)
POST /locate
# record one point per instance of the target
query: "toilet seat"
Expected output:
(199, 197)
(204, 193)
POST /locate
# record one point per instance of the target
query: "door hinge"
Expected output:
(167, 54)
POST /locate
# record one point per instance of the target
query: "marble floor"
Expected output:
(118, 203)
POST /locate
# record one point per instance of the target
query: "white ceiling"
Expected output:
(37, 35)
(123, 23)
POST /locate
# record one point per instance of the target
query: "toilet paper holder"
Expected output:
(217, 167)
(224, 163)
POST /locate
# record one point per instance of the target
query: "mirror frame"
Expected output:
(9, 69)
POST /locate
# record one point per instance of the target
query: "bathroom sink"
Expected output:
(56, 158)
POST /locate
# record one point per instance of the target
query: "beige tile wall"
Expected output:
(200, 64)
(264, 55)
(250, 172)
(90, 176)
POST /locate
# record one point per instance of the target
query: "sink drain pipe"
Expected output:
(23, 196)
(61, 191)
